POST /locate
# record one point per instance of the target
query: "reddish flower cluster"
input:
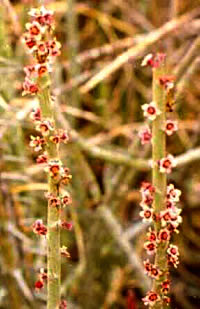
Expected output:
(39, 228)
(151, 298)
(44, 50)
(63, 304)
(153, 61)
(42, 277)
(145, 135)
(168, 219)
(147, 191)
(167, 81)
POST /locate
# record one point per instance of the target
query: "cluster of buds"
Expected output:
(166, 221)
(42, 278)
(57, 172)
(169, 220)
(43, 49)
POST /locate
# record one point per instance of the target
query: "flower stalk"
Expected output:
(159, 180)
(159, 199)
(53, 236)
(39, 41)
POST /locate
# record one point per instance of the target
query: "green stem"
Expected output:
(53, 236)
(159, 179)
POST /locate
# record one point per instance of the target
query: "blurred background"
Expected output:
(99, 86)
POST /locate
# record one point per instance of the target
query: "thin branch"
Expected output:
(117, 233)
(192, 53)
(137, 50)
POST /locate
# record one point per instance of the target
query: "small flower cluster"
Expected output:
(63, 304)
(54, 167)
(167, 220)
(39, 228)
(43, 49)
(42, 278)
(153, 61)
(151, 111)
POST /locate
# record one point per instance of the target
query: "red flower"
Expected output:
(167, 81)
(42, 159)
(150, 247)
(151, 235)
(173, 250)
(147, 200)
(36, 142)
(166, 164)
(54, 201)
(155, 272)
(30, 71)
(151, 110)
(55, 139)
(145, 135)
(39, 284)
(43, 274)
(44, 127)
(42, 48)
(164, 235)
(66, 200)
(63, 136)
(53, 48)
(172, 193)
(42, 69)
(34, 29)
(165, 286)
(39, 228)
(146, 214)
(151, 298)
(66, 225)
(147, 188)
(29, 87)
(63, 304)
(54, 168)
(66, 176)
(35, 115)
(30, 42)
(154, 60)
(170, 127)
(147, 267)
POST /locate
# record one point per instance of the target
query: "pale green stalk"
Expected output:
(53, 235)
(159, 179)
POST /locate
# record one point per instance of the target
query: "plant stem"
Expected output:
(53, 236)
(159, 179)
